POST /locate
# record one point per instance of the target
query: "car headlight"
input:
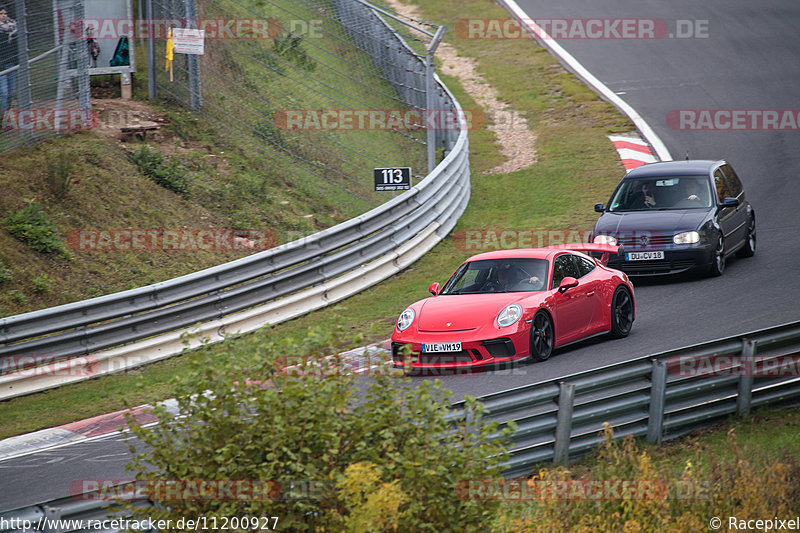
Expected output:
(509, 315)
(605, 239)
(687, 237)
(405, 319)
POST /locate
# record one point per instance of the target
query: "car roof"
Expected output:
(691, 167)
(517, 253)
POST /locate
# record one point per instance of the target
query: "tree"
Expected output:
(317, 448)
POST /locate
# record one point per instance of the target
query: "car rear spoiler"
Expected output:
(605, 249)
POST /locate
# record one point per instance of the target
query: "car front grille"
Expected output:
(498, 348)
(444, 358)
(645, 241)
(654, 267)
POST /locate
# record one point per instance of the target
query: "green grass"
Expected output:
(577, 165)
(228, 167)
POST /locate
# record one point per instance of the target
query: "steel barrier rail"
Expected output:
(562, 418)
(649, 397)
(276, 284)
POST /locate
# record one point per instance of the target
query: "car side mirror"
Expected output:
(567, 283)
(434, 289)
(729, 202)
(599, 208)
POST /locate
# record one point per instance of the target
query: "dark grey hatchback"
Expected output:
(675, 216)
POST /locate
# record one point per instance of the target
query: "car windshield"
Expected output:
(678, 192)
(498, 275)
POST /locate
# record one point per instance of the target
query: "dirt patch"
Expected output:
(116, 115)
(515, 139)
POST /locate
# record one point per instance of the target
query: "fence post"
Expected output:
(151, 52)
(430, 97)
(745, 392)
(193, 61)
(566, 401)
(658, 389)
(23, 73)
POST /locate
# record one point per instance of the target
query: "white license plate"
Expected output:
(643, 256)
(431, 347)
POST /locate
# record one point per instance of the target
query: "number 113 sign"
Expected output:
(392, 179)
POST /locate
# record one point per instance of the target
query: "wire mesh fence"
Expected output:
(290, 80)
(44, 61)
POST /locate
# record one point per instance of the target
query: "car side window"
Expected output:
(722, 188)
(563, 267)
(734, 185)
(585, 266)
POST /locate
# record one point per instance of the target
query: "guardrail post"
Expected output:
(658, 389)
(745, 392)
(566, 402)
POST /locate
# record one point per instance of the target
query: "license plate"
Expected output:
(435, 347)
(643, 256)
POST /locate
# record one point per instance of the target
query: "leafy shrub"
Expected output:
(290, 47)
(33, 226)
(5, 273)
(165, 171)
(381, 459)
(58, 174)
(42, 284)
(18, 298)
(729, 486)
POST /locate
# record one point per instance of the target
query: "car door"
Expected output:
(572, 309)
(587, 269)
(727, 217)
(739, 233)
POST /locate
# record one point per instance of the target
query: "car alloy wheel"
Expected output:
(749, 248)
(718, 260)
(621, 313)
(541, 342)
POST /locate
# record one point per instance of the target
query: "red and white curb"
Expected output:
(633, 151)
(361, 361)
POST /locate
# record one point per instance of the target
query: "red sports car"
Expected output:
(514, 304)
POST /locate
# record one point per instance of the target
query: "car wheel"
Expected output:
(542, 338)
(621, 313)
(717, 266)
(749, 248)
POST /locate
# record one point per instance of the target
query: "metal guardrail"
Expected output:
(561, 419)
(399, 231)
(651, 396)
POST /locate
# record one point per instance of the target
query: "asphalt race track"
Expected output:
(746, 61)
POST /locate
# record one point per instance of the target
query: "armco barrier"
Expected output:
(133, 327)
(561, 419)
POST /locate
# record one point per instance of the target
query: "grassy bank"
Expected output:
(576, 164)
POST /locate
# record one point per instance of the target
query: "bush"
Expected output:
(5, 273)
(33, 226)
(730, 486)
(58, 173)
(165, 171)
(343, 459)
(42, 284)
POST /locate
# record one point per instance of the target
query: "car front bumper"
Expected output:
(677, 258)
(474, 352)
